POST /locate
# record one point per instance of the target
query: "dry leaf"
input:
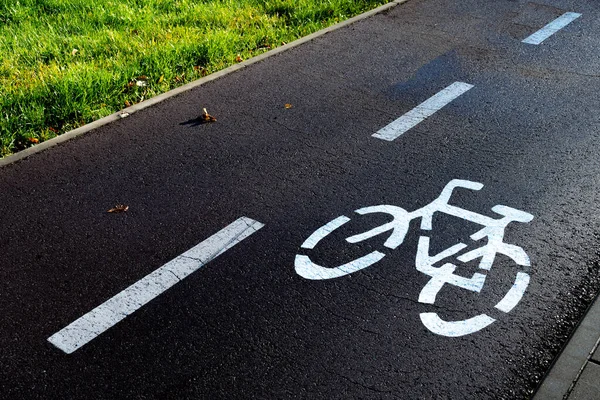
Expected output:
(238, 58)
(34, 140)
(288, 106)
(162, 77)
(127, 103)
(119, 208)
(206, 117)
(200, 70)
(74, 52)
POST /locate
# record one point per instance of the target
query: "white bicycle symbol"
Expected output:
(493, 230)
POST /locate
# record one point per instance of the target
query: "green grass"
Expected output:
(64, 63)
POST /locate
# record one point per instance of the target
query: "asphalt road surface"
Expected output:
(268, 305)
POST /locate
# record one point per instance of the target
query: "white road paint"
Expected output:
(514, 295)
(422, 111)
(444, 274)
(460, 328)
(109, 313)
(398, 226)
(490, 239)
(323, 231)
(309, 270)
(553, 27)
(455, 328)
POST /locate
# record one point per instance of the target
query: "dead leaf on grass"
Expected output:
(238, 58)
(119, 208)
(200, 70)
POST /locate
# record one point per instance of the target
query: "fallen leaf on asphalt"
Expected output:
(288, 106)
(119, 208)
(206, 117)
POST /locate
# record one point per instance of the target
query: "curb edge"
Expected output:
(565, 370)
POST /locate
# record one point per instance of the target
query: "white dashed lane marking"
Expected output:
(109, 313)
(422, 111)
(553, 27)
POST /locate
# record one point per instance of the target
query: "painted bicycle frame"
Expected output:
(493, 229)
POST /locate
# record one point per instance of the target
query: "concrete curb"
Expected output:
(172, 93)
(560, 380)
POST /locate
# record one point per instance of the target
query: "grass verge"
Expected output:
(68, 62)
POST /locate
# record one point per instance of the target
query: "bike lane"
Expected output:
(245, 324)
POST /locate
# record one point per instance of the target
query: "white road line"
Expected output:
(109, 313)
(553, 27)
(514, 295)
(323, 231)
(422, 111)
